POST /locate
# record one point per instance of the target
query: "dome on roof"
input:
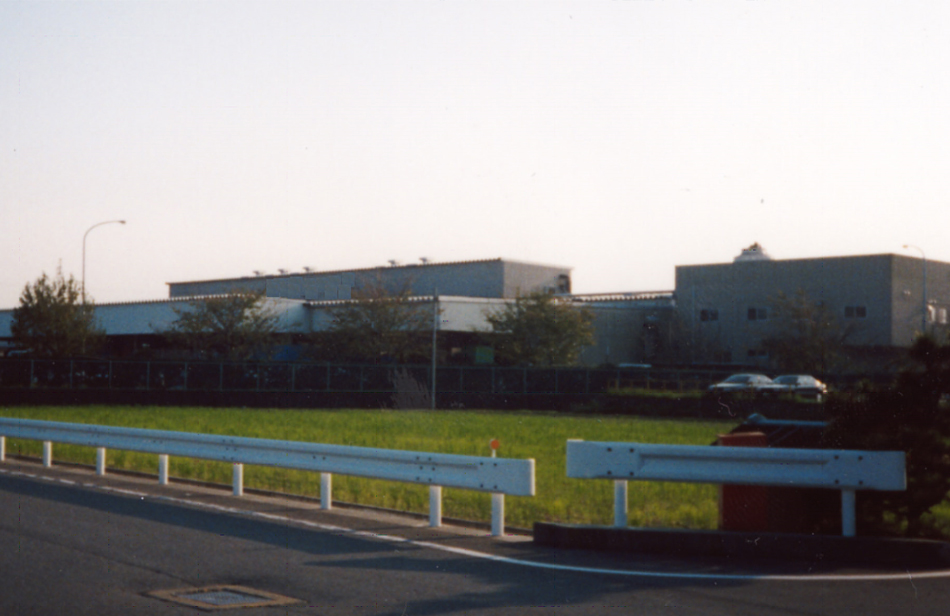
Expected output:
(755, 252)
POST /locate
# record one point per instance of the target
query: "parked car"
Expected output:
(801, 384)
(742, 382)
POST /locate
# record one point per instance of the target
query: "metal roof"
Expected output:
(368, 269)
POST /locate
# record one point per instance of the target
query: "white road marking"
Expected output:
(830, 577)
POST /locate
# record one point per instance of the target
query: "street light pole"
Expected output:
(435, 329)
(923, 316)
(99, 224)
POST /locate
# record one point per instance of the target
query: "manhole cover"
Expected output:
(222, 597)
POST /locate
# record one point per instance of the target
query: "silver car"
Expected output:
(801, 384)
(743, 382)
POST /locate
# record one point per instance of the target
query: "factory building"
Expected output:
(726, 311)
(718, 314)
(492, 278)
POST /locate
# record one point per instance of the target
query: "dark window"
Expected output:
(563, 284)
(855, 312)
(710, 314)
(758, 314)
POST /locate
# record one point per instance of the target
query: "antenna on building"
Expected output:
(393, 263)
(283, 272)
(308, 269)
(260, 273)
(424, 260)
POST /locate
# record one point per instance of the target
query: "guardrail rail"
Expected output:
(844, 470)
(498, 476)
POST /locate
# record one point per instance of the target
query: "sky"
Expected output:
(620, 138)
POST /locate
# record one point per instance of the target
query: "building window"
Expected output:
(563, 283)
(758, 314)
(709, 314)
(855, 312)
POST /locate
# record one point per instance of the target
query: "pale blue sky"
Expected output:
(620, 138)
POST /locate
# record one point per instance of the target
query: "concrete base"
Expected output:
(871, 551)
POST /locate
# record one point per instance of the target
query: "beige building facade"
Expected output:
(725, 311)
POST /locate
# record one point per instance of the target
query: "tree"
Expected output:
(541, 330)
(809, 338)
(911, 416)
(232, 326)
(53, 319)
(380, 324)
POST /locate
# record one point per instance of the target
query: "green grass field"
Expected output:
(541, 436)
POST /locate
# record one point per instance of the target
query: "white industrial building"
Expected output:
(465, 292)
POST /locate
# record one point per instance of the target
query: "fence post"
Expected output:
(100, 461)
(620, 503)
(47, 454)
(237, 479)
(3, 448)
(848, 518)
(326, 491)
(163, 469)
(435, 506)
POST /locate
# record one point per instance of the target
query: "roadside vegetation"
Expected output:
(540, 436)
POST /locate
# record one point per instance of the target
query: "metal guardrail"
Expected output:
(844, 470)
(498, 476)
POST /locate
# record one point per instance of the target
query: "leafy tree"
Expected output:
(379, 324)
(233, 326)
(809, 338)
(912, 416)
(53, 319)
(541, 330)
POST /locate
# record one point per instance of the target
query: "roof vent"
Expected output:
(755, 252)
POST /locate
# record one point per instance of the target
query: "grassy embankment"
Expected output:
(523, 435)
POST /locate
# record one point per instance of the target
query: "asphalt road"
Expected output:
(74, 543)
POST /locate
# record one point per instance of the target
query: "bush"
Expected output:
(910, 416)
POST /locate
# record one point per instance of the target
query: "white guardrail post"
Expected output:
(163, 469)
(844, 470)
(237, 479)
(496, 476)
(100, 461)
(326, 491)
(620, 503)
(435, 506)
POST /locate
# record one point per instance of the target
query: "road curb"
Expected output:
(869, 551)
